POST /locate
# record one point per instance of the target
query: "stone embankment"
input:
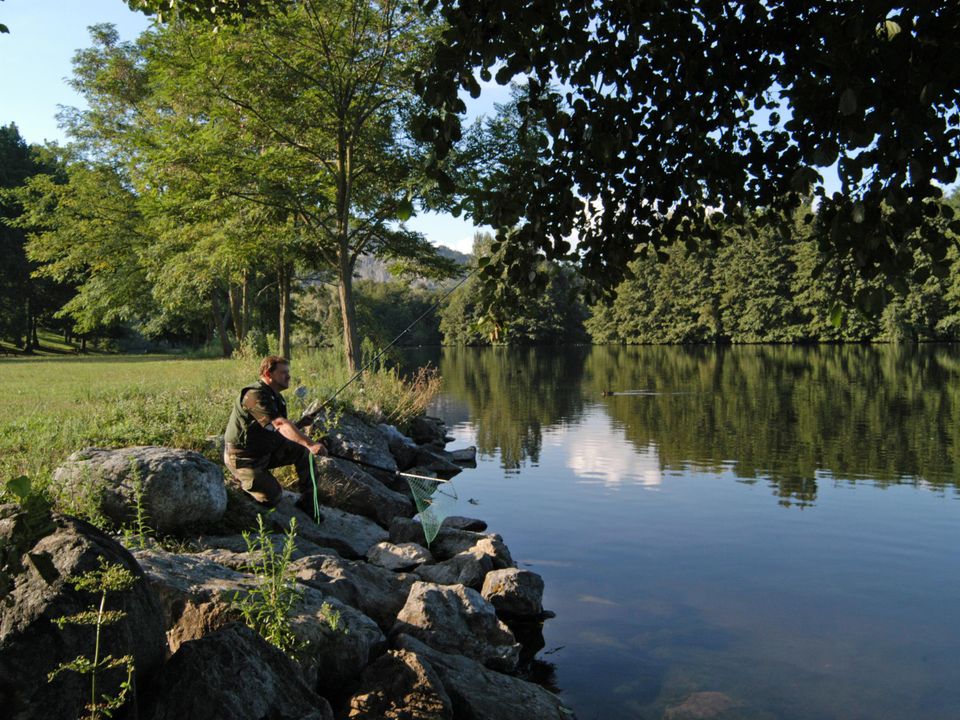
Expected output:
(385, 626)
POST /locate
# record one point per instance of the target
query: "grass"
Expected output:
(55, 406)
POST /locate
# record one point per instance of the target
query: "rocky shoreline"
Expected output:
(385, 626)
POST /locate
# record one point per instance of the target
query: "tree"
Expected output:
(305, 112)
(660, 116)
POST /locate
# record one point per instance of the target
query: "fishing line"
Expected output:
(376, 357)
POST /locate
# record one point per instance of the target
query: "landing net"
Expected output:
(435, 501)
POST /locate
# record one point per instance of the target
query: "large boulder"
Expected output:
(450, 541)
(399, 557)
(456, 619)
(400, 686)
(179, 490)
(40, 555)
(376, 592)
(197, 597)
(467, 568)
(350, 535)
(479, 693)
(351, 437)
(514, 593)
(459, 522)
(233, 673)
(342, 484)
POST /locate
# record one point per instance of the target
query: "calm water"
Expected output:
(780, 525)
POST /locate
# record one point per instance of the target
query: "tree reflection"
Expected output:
(784, 415)
(513, 393)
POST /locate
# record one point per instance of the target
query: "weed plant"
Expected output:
(109, 578)
(53, 407)
(266, 607)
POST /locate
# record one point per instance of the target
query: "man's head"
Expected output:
(275, 372)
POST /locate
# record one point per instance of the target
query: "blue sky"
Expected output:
(36, 56)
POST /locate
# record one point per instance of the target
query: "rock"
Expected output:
(399, 557)
(404, 452)
(180, 489)
(338, 641)
(479, 693)
(458, 522)
(457, 619)
(231, 550)
(232, 673)
(39, 555)
(450, 542)
(376, 592)
(702, 706)
(465, 456)
(467, 568)
(355, 439)
(436, 461)
(350, 535)
(400, 686)
(196, 595)
(426, 429)
(343, 485)
(514, 593)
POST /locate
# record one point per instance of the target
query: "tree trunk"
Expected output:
(348, 311)
(233, 300)
(83, 344)
(284, 282)
(245, 303)
(221, 325)
(28, 329)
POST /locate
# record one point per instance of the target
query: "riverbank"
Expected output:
(379, 623)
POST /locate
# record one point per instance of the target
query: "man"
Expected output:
(259, 437)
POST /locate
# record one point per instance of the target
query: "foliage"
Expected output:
(266, 607)
(552, 317)
(384, 311)
(109, 578)
(763, 285)
(653, 114)
(137, 533)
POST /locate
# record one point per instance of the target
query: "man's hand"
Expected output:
(318, 449)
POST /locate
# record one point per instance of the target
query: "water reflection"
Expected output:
(770, 414)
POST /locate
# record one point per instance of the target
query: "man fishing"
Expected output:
(259, 437)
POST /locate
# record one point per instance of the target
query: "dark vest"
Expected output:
(244, 432)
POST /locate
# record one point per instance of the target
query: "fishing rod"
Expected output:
(308, 417)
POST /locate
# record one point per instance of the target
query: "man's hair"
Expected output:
(269, 364)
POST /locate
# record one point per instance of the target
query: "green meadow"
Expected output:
(52, 407)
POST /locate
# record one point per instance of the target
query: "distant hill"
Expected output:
(370, 268)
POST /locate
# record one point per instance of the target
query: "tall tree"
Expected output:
(305, 111)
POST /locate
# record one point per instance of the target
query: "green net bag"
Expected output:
(435, 501)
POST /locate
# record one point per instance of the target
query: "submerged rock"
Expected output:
(180, 490)
(454, 618)
(233, 673)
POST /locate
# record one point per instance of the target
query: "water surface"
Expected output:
(776, 524)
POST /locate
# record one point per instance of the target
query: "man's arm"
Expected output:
(292, 432)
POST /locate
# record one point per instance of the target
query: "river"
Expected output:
(778, 526)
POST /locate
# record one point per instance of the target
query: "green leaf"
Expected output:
(836, 315)
(4, 28)
(20, 487)
(404, 211)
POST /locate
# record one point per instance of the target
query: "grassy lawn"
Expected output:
(52, 407)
